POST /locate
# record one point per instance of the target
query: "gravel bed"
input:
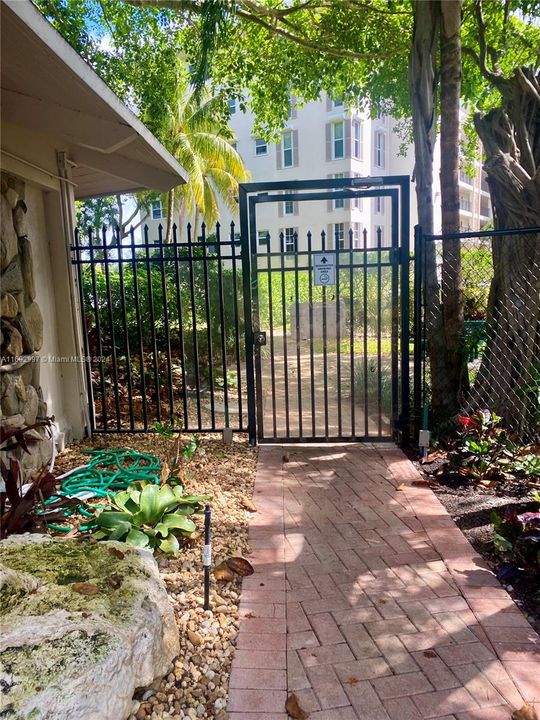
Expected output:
(197, 686)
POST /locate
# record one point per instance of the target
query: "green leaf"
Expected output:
(193, 499)
(110, 519)
(127, 500)
(177, 522)
(170, 545)
(119, 531)
(137, 538)
(154, 501)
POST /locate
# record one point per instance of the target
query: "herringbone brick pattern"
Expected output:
(368, 602)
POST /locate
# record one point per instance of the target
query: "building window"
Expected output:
(337, 103)
(289, 240)
(263, 236)
(261, 147)
(356, 234)
(287, 149)
(379, 205)
(338, 140)
(465, 204)
(379, 149)
(358, 202)
(339, 235)
(232, 106)
(339, 204)
(288, 207)
(357, 139)
(157, 210)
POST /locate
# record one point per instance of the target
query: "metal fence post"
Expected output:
(248, 318)
(418, 353)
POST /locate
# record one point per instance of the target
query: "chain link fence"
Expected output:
(480, 325)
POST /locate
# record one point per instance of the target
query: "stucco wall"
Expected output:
(50, 372)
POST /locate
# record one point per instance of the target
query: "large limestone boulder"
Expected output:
(84, 625)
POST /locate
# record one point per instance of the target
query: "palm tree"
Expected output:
(200, 140)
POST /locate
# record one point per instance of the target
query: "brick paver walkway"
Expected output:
(368, 602)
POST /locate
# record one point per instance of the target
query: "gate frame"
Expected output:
(251, 194)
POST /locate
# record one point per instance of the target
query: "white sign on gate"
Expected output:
(324, 268)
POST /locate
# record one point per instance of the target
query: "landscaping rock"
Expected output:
(66, 653)
(12, 345)
(19, 219)
(197, 686)
(12, 278)
(8, 236)
(27, 268)
(30, 407)
(12, 393)
(8, 306)
(34, 323)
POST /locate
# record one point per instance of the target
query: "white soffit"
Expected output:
(47, 87)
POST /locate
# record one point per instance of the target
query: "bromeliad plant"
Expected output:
(151, 516)
(485, 452)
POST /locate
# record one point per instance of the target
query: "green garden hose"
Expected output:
(107, 472)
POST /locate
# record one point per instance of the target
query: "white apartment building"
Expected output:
(326, 139)
(322, 139)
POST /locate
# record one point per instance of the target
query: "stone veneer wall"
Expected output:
(21, 330)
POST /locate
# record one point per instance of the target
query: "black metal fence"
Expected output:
(495, 278)
(164, 329)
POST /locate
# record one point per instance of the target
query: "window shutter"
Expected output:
(328, 103)
(329, 236)
(348, 147)
(278, 156)
(295, 147)
(328, 141)
(295, 208)
(280, 209)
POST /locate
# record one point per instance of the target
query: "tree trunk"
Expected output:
(456, 376)
(170, 214)
(508, 378)
(422, 87)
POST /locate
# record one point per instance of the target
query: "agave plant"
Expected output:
(150, 516)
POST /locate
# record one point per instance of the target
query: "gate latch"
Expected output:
(260, 338)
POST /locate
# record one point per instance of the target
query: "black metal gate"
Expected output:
(327, 349)
(163, 329)
(289, 338)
